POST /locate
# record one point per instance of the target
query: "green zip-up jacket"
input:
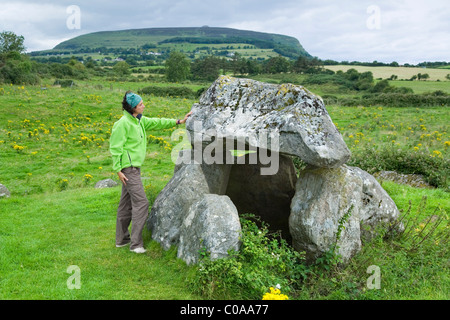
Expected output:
(128, 141)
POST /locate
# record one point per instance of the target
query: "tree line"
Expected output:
(179, 68)
(16, 67)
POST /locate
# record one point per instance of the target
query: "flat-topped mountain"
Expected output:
(189, 39)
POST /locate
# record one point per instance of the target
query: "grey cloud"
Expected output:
(410, 30)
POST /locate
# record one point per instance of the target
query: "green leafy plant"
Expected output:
(331, 258)
(63, 184)
(434, 169)
(420, 231)
(171, 91)
(263, 261)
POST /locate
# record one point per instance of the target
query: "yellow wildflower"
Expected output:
(436, 153)
(275, 294)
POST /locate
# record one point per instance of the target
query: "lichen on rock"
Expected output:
(244, 109)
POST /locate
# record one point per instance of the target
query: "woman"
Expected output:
(128, 144)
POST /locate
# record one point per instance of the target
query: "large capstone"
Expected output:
(283, 118)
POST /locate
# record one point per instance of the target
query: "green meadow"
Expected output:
(420, 87)
(404, 73)
(54, 146)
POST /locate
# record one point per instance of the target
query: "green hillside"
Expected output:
(189, 40)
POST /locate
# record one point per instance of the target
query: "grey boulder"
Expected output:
(107, 183)
(188, 184)
(211, 225)
(283, 118)
(345, 198)
(4, 192)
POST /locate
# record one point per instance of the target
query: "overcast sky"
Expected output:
(406, 31)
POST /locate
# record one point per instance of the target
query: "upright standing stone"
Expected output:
(211, 225)
(328, 199)
(188, 184)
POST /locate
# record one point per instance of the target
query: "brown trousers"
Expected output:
(133, 208)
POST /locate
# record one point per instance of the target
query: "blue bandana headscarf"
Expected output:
(133, 99)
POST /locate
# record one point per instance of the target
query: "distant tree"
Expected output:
(90, 63)
(9, 42)
(178, 67)
(132, 61)
(330, 62)
(121, 68)
(352, 74)
(15, 67)
(207, 68)
(277, 65)
(307, 65)
(364, 81)
(300, 65)
(447, 76)
(149, 46)
(423, 76)
(253, 67)
(238, 64)
(381, 86)
(73, 61)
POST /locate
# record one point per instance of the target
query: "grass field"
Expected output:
(43, 236)
(420, 87)
(193, 51)
(54, 148)
(401, 72)
(410, 128)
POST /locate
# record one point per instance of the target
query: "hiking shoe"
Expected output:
(122, 245)
(139, 250)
